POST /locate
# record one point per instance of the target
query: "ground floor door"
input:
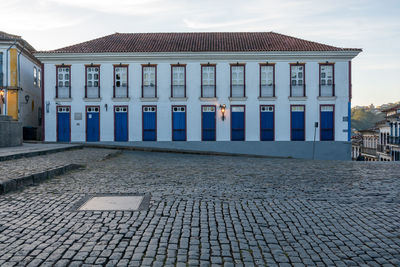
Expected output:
(149, 117)
(178, 123)
(92, 123)
(121, 123)
(267, 123)
(63, 124)
(327, 123)
(237, 123)
(208, 123)
(297, 123)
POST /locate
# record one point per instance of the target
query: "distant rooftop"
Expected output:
(11, 37)
(197, 42)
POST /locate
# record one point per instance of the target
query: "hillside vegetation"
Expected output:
(364, 118)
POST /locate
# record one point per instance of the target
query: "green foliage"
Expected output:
(364, 117)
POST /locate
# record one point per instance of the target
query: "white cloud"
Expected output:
(28, 15)
(124, 7)
(204, 25)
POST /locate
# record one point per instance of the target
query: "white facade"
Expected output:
(193, 62)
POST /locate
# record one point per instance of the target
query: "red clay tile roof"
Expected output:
(197, 42)
(7, 36)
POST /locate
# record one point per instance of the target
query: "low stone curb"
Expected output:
(179, 151)
(38, 153)
(35, 178)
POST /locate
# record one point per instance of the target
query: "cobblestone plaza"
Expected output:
(202, 211)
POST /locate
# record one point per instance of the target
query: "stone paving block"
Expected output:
(245, 212)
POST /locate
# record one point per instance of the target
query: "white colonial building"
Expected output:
(264, 90)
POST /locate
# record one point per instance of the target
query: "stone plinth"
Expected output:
(10, 132)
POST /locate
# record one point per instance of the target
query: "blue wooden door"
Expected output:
(327, 123)
(92, 124)
(121, 124)
(149, 124)
(267, 123)
(297, 123)
(63, 124)
(179, 123)
(237, 123)
(208, 123)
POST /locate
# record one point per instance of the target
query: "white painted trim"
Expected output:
(232, 56)
(92, 99)
(238, 98)
(63, 99)
(121, 99)
(326, 98)
(266, 98)
(207, 99)
(297, 98)
(177, 99)
(149, 99)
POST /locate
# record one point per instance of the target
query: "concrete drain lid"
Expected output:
(114, 203)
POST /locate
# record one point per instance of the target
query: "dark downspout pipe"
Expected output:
(42, 96)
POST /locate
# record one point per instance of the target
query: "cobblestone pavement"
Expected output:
(25, 166)
(209, 210)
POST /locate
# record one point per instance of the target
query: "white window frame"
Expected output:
(149, 78)
(267, 86)
(35, 81)
(178, 81)
(297, 80)
(238, 76)
(63, 81)
(120, 81)
(93, 81)
(326, 79)
(208, 81)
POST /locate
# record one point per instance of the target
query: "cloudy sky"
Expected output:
(371, 25)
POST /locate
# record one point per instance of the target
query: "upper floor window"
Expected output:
(39, 78)
(208, 85)
(149, 81)
(93, 81)
(121, 81)
(267, 80)
(63, 87)
(326, 80)
(35, 79)
(238, 80)
(297, 80)
(178, 83)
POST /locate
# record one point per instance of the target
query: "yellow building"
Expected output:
(20, 83)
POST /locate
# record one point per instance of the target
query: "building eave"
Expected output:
(25, 47)
(268, 55)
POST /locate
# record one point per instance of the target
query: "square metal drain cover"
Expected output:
(110, 203)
